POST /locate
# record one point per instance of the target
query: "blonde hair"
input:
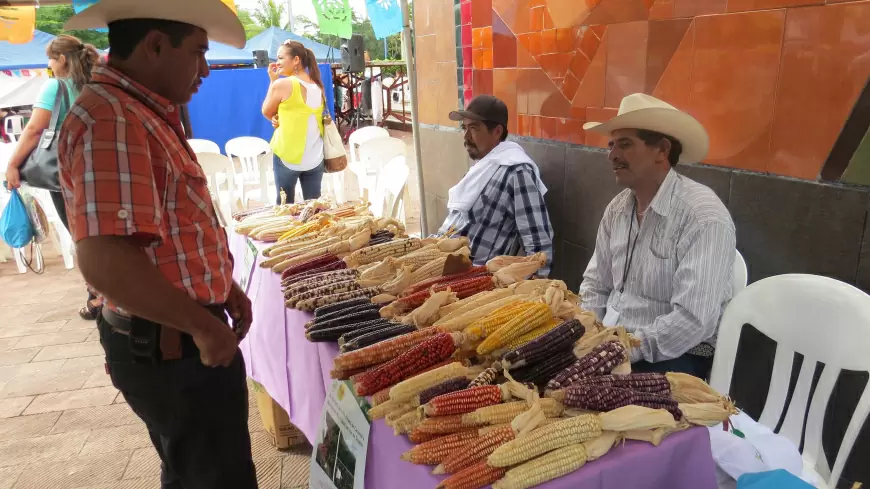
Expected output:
(80, 58)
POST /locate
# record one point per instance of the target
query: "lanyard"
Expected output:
(627, 267)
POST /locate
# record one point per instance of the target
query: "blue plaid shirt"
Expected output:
(509, 217)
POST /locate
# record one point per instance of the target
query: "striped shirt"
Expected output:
(510, 215)
(126, 170)
(681, 272)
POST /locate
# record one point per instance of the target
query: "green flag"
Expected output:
(335, 17)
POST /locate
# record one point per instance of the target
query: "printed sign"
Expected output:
(250, 261)
(339, 457)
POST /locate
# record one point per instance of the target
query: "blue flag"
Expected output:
(386, 17)
(79, 5)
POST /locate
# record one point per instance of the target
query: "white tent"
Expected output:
(18, 91)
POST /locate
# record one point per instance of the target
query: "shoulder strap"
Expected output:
(61, 95)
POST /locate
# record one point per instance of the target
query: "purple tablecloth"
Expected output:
(295, 372)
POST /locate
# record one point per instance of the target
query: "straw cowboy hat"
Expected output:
(641, 111)
(213, 16)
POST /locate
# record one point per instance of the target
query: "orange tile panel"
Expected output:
(588, 43)
(675, 84)
(626, 61)
(524, 59)
(548, 42)
(486, 37)
(477, 38)
(548, 20)
(591, 92)
(544, 97)
(535, 126)
(692, 8)
(662, 9)
(664, 39)
(536, 19)
(748, 5)
(486, 59)
(578, 113)
(570, 13)
(579, 65)
(504, 45)
(550, 128)
(524, 125)
(477, 59)
(483, 82)
(564, 40)
(481, 13)
(504, 86)
(570, 86)
(536, 46)
(617, 11)
(572, 132)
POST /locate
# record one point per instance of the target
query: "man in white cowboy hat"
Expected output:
(148, 239)
(664, 256)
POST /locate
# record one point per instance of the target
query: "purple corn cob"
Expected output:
(600, 361)
(560, 338)
(446, 387)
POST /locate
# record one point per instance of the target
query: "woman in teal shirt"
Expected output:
(71, 61)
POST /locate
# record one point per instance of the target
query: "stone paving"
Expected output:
(62, 424)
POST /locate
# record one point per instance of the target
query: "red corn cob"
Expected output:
(434, 451)
(470, 273)
(462, 288)
(464, 401)
(473, 477)
(432, 351)
(311, 264)
(475, 450)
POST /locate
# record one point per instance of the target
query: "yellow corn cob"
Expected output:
(565, 432)
(489, 324)
(545, 468)
(464, 319)
(393, 416)
(528, 319)
(407, 389)
(433, 269)
(407, 422)
(525, 338)
(421, 257)
(375, 253)
(505, 413)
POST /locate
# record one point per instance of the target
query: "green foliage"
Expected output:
(252, 28)
(268, 14)
(51, 19)
(361, 26)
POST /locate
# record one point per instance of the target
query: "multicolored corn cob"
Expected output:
(600, 361)
(558, 340)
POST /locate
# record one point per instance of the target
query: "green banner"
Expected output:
(335, 17)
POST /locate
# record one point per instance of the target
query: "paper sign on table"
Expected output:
(250, 260)
(339, 457)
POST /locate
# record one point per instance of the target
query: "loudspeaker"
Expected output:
(261, 58)
(353, 55)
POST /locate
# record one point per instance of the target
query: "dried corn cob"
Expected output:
(434, 268)
(426, 284)
(487, 377)
(383, 351)
(527, 338)
(338, 306)
(331, 270)
(311, 264)
(550, 437)
(544, 468)
(535, 316)
(381, 397)
(420, 257)
(379, 252)
(325, 290)
(442, 425)
(408, 364)
(372, 337)
(335, 332)
(560, 339)
(505, 413)
(314, 283)
(689, 389)
(600, 361)
(475, 451)
(408, 389)
(597, 398)
(352, 335)
(434, 451)
(416, 436)
(462, 288)
(446, 387)
(314, 303)
(653, 383)
(357, 314)
(472, 477)
(541, 372)
(466, 400)
(489, 324)
(405, 422)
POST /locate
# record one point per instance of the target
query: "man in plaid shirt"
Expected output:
(499, 204)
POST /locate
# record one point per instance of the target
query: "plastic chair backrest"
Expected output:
(375, 153)
(362, 135)
(248, 150)
(741, 275)
(826, 321)
(14, 126)
(390, 192)
(203, 146)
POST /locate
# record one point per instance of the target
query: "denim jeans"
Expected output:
(286, 179)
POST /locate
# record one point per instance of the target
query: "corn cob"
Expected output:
(378, 335)
(338, 317)
(379, 252)
(653, 383)
(434, 451)
(416, 436)
(689, 389)
(544, 468)
(334, 332)
(426, 284)
(553, 436)
(381, 397)
(442, 425)
(408, 389)
(434, 268)
(462, 288)
(561, 338)
(318, 273)
(348, 337)
(541, 372)
(311, 264)
(325, 290)
(487, 377)
(320, 312)
(314, 283)
(600, 361)
(396, 413)
(527, 338)
(597, 398)
(446, 387)
(489, 324)
(420, 257)
(383, 351)
(465, 401)
(405, 422)
(472, 477)
(315, 302)
(537, 315)
(474, 451)
(408, 364)
(505, 413)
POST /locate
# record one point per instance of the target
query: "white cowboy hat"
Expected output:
(641, 111)
(213, 16)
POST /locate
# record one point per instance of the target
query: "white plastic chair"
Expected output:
(826, 321)
(374, 154)
(741, 275)
(390, 190)
(203, 146)
(14, 127)
(216, 169)
(357, 170)
(254, 158)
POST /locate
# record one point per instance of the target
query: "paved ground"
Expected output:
(62, 424)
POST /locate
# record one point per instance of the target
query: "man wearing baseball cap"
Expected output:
(499, 204)
(664, 256)
(148, 238)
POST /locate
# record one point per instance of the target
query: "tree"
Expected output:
(268, 14)
(51, 20)
(361, 26)
(252, 27)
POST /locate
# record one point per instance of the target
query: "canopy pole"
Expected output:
(415, 120)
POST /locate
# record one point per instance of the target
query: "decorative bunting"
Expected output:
(17, 24)
(386, 17)
(334, 17)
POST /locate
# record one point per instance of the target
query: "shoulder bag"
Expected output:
(40, 168)
(335, 157)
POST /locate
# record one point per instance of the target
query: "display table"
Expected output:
(295, 372)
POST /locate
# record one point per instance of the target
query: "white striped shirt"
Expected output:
(681, 274)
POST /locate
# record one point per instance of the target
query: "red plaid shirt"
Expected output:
(126, 170)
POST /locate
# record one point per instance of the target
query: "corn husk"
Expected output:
(708, 413)
(689, 389)
(383, 409)
(427, 313)
(633, 417)
(407, 389)
(656, 435)
(599, 447)
(518, 272)
(408, 422)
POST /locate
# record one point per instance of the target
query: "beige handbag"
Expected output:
(335, 156)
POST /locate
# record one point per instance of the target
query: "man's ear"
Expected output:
(665, 148)
(153, 43)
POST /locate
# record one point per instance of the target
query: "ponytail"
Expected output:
(80, 58)
(308, 59)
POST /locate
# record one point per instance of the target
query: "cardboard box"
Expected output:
(276, 421)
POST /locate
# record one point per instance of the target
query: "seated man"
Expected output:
(663, 261)
(499, 204)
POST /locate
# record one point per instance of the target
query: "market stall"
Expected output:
(298, 373)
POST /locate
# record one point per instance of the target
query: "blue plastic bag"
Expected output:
(774, 479)
(15, 227)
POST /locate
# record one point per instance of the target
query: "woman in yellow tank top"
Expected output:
(295, 106)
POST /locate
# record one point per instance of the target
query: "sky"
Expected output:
(302, 7)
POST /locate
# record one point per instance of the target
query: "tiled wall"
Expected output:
(773, 81)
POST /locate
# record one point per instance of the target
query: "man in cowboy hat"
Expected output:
(664, 256)
(147, 237)
(499, 204)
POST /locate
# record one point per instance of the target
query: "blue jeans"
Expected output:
(286, 179)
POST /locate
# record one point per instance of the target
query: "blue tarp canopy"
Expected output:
(25, 56)
(223, 54)
(272, 38)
